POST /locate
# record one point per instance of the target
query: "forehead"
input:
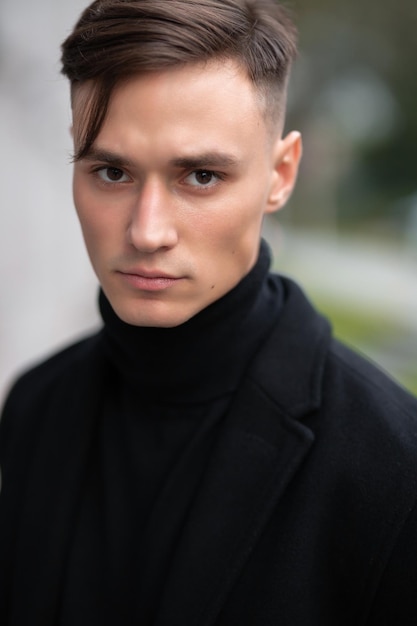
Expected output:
(213, 95)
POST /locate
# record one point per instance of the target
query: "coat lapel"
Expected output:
(261, 446)
(253, 462)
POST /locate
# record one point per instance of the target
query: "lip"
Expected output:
(145, 280)
(146, 273)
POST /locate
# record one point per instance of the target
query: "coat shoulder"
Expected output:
(59, 364)
(56, 376)
(361, 388)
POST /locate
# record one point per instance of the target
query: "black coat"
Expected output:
(306, 515)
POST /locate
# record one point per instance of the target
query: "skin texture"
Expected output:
(173, 192)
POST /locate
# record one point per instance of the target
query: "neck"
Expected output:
(205, 357)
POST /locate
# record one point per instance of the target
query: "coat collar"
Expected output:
(290, 367)
(262, 444)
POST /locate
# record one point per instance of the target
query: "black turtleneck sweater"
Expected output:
(168, 391)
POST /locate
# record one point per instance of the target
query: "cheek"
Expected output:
(243, 231)
(231, 217)
(92, 228)
(82, 202)
(229, 242)
(239, 220)
(91, 213)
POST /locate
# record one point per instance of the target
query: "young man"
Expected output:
(212, 456)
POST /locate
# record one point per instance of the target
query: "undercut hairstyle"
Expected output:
(115, 40)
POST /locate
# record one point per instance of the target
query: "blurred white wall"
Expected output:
(48, 290)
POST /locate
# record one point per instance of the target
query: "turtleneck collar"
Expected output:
(205, 357)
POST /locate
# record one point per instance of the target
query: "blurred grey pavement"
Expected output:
(357, 272)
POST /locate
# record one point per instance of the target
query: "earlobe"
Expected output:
(287, 154)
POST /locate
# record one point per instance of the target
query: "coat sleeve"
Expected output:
(396, 598)
(12, 464)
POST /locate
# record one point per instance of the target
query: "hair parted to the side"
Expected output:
(117, 39)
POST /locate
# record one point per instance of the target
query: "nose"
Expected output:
(152, 220)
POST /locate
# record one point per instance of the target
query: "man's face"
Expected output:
(173, 191)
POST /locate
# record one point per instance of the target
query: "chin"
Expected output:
(151, 315)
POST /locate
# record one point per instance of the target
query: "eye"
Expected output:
(112, 175)
(202, 178)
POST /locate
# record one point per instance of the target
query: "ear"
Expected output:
(286, 155)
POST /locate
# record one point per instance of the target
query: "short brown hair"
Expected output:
(116, 39)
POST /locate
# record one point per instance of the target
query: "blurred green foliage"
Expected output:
(354, 97)
(375, 336)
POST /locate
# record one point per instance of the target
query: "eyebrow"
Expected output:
(106, 156)
(206, 159)
(196, 161)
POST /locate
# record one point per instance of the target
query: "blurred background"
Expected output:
(348, 235)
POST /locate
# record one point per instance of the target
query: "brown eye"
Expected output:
(203, 177)
(112, 175)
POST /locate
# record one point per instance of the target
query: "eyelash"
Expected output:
(96, 171)
(211, 173)
(103, 168)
